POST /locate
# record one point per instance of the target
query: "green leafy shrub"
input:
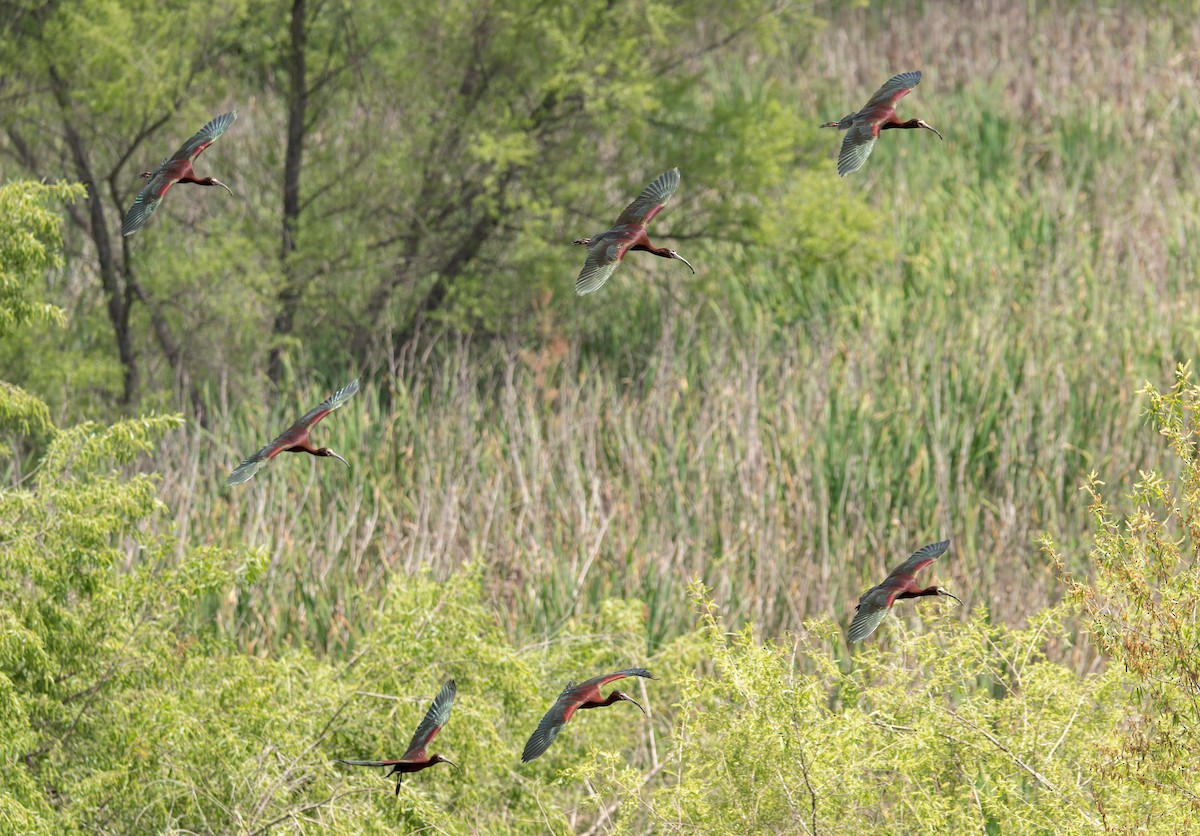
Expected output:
(1139, 605)
(966, 727)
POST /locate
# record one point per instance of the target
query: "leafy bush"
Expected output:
(1139, 605)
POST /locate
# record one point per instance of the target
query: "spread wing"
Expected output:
(435, 718)
(551, 724)
(367, 763)
(894, 89)
(204, 137)
(856, 147)
(866, 619)
(651, 201)
(327, 406)
(146, 202)
(921, 558)
(602, 259)
(600, 681)
(250, 466)
(245, 471)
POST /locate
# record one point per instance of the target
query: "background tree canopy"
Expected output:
(698, 474)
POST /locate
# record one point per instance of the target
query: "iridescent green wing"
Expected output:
(334, 401)
(921, 558)
(435, 718)
(894, 89)
(600, 681)
(866, 619)
(551, 724)
(856, 147)
(146, 202)
(651, 201)
(604, 254)
(205, 137)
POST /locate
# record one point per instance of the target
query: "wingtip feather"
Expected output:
(244, 472)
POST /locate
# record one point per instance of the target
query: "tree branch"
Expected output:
(171, 349)
(1036, 775)
(118, 312)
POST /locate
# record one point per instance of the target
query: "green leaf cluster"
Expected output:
(30, 245)
(1139, 603)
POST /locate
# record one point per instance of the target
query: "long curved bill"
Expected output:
(638, 704)
(226, 188)
(685, 261)
(948, 595)
(927, 126)
(340, 459)
(452, 763)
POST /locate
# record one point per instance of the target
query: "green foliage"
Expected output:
(532, 146)
(968, 727)
(89, 599)
(103, 50)
(1139, 603)
(30, 241)
(941, 343)
(137, 721)
(30, 245)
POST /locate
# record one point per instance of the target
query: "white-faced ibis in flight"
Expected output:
(415, 759)
(295, 438)
(901, 583)
(606, 250)
(879, 114)
(176, 169)
(573, 698)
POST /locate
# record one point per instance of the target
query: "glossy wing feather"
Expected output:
(602, 259)
(856, 147)
(921, 558)
(600, 681)
(651, 201)
(205, 137)
(549, 727)
(866, 619)
(367, 763)
(146, 202)
(327, 406)
(435, 718)
(245, 471)
(894, 89)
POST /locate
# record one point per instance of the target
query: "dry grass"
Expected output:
(963, 390)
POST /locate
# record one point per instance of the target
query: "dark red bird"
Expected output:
(573, 698)
(177, 169)
(295, 438)
(606, 250)
(877, 601)
(879, 114)
(415, 759)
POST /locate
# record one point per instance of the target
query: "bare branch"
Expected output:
(1041, 779)
(304, 808)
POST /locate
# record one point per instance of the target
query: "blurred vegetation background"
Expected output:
(700, 474)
